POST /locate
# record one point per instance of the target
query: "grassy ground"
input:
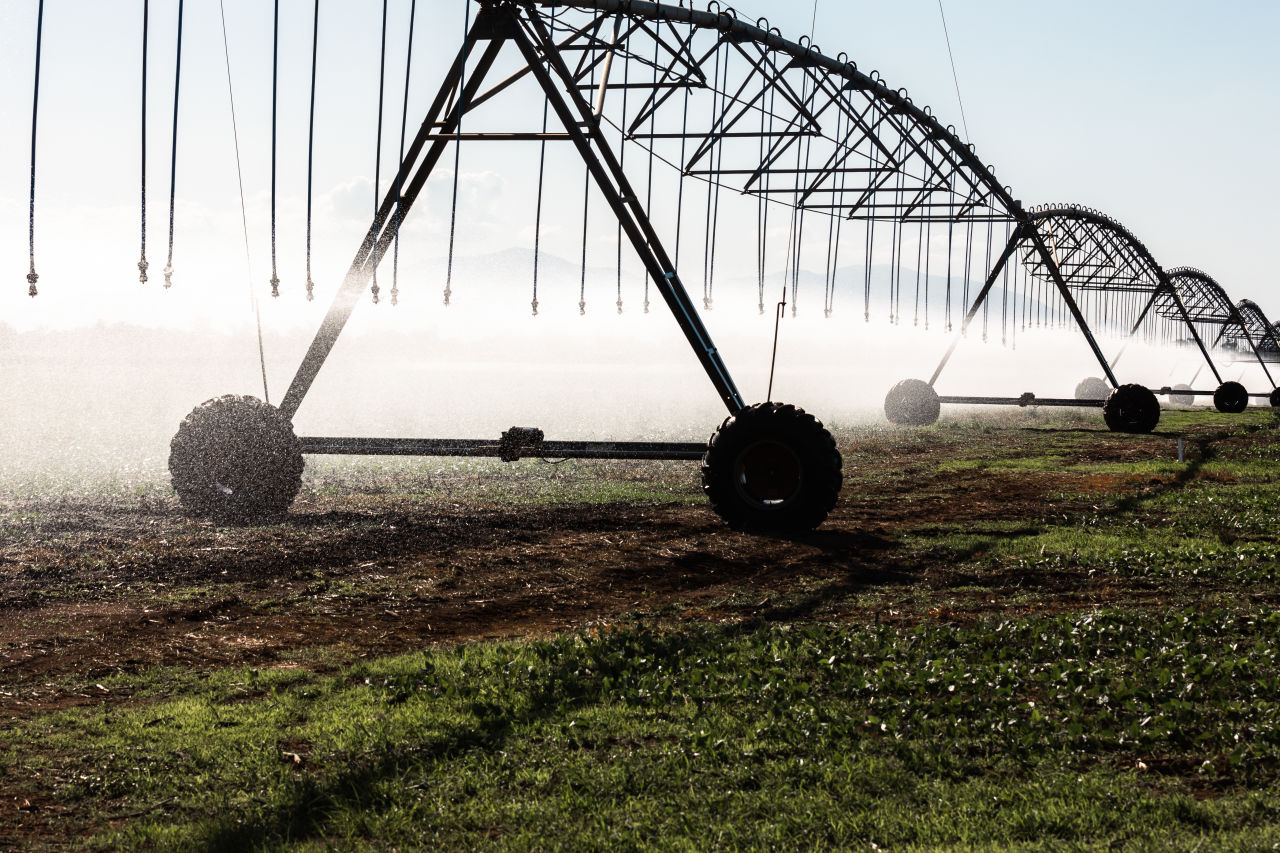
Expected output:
(1015, 633)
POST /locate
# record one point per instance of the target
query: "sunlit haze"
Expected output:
(1160, 114)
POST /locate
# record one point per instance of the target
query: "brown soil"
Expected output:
(100, 588)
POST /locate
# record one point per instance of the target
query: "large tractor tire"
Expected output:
(1131, 408)
(772, 468)
(236, 459)
(912, 402)
(1274, 399)
(1231, 398)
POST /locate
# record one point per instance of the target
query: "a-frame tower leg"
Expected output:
(497, 25)
(1028, 231)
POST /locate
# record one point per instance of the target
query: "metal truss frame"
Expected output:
(1259, 329)
(1092, 255)
(1208, 306)
(784, 123)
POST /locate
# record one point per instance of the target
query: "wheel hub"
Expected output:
(768, 473)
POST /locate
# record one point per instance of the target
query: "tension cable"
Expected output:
(244, 220)
(954, 76)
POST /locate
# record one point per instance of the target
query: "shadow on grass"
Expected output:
(577, 681)
(852, 562)
(1133, 502)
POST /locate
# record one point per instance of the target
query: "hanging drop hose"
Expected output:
(708, 245)
(404, 121)
(537, 216)
(457, 148)
(622, 163)
(244, 219)
(142, 259)
(311, 142)
(777, 327)
(275, 98)
(377, 159)
(782, 305)
(653, 118)
(32, 278)
(173, 160)
(586, 219)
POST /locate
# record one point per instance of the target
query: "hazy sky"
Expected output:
(1159, 113)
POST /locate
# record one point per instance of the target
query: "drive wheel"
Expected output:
(1274, 399)
(1131, 408)
(236, 459)
(1231, 398)
(1092, 388)
(772, 468)
(912, 402)
(1177, 399)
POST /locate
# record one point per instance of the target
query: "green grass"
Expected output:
(527, 482)
(991, 735)
(993, 712)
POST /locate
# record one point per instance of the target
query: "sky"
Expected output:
(1160, 114)
(1157, 113)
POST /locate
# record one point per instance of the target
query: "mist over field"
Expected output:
(104, 400)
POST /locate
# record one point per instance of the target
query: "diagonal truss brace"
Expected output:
(498, 25)
(1027, 230)
(1166, 288)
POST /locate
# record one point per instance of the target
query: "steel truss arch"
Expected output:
(777, 119)
(862, 133)
(1211, 309)
(741, 108)
(1261, 330)
(1113, 276)
(1101, 271)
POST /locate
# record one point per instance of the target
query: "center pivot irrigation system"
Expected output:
(1097, 274)
(737, 107)
(721, 109)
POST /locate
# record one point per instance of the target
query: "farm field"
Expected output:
(1017, 631)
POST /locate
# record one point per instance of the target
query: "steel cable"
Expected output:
(244, 219)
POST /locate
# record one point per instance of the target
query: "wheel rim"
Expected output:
(768, 475)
